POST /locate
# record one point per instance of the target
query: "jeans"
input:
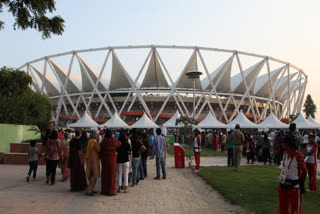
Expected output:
(162, 162)
(135, 167)
(144, 164)
(141, 172)
(33, 168)
(230, 157)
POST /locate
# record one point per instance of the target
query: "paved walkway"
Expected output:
(182, 192)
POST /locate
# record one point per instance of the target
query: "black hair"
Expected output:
(32, 143)
(158, 131)
(54, 135)
(108, 133)
(77, 132)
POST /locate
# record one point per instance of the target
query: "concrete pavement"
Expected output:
(182, 192)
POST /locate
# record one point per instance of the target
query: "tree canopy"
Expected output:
(19, 104)
(309, 107)
(33, 14)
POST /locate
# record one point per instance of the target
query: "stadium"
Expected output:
(131, 80)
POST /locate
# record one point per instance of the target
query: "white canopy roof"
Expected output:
(273, 123)
(310, 119)
(115, 122)
(303, 123)
(172, 121)
(211, 122)
(85, 122)
(144, 123)
(243, 122)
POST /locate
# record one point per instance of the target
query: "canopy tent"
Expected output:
(310, 119)
(273, 123)
(172, 121)
(144, 123)
(243, 122)
(85, 122)
(115, 122)
(211, 122)
(303, 123)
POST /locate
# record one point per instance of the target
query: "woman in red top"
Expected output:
(109, 147)
(292, 177)
(311, 150)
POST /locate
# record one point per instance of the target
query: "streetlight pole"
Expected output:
(193, 74)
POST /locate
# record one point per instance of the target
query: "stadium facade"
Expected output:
(130, 80)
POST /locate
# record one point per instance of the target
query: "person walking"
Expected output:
(292, 177)
(197, 148)
(123, 162)
(230, 150)
(237, 139)
(33, 160)
(158, 150)
(109, 146)
(311, 150)
(78, 180)
(52, 154)
(93, 164)
(65, 160)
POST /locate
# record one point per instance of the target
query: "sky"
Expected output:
(284, 29)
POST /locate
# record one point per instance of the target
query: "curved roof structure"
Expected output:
(232, 80)
(273, 123)
(211, 122)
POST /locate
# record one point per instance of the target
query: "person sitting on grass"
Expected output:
(33, 160)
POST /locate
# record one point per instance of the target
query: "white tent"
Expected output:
(303, 123)
(144, 123)
(211, 122)
(273, 123)
(310, 119)
(172, 121)
(243, 122)
(85, 122)
(115, 122)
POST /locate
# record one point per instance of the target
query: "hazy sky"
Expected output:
(287, 30)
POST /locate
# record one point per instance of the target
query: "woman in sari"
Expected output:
(92, 159)
(109, 146)
(66, 169)
(78, 180)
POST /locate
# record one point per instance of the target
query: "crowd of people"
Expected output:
(298, 152)
(119, 157)
(79, 154)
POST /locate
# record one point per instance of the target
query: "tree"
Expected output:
(309, 107)
(32, 14)
(187, 125)
(19, 104)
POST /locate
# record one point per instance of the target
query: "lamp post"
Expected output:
(193, 74)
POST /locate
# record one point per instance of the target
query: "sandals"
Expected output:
(89, 193)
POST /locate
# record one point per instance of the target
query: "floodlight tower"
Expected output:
(194, 75)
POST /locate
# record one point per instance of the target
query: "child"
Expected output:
(33, 160)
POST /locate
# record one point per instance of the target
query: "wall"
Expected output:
(10, 133)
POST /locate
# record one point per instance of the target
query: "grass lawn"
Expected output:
(204, 152)
(255, 188)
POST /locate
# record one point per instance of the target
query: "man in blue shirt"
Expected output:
(158, 149)
(151, 139)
